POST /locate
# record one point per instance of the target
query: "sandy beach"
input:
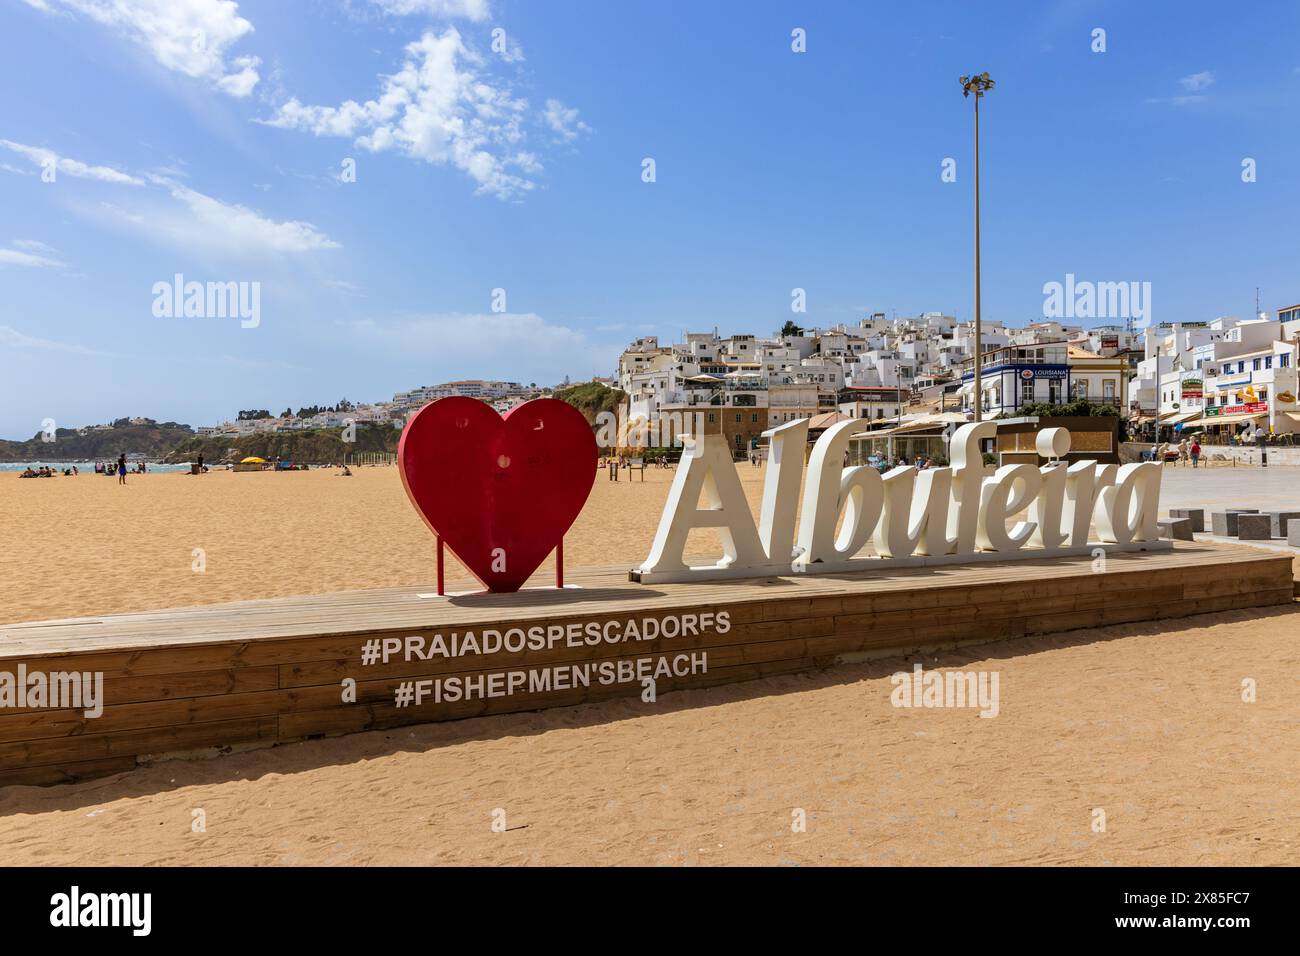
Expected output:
(1145, 722)
(85, 545)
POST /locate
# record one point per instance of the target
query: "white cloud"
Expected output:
(228, 228)
(30, 254)
(458, 344)
(441, 108)
(47, 158)
(564, 120)
(13, 339)
(343, 286)
(476, 10)
(32, 245)
(1197, 81)
(511, 50)
(191, 37)
(194, 220)
(241, 83)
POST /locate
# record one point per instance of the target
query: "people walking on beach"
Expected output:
(1196, 452)
(121, 469)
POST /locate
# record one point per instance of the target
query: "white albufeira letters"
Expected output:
(937, 516)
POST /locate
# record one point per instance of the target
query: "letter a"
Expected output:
(706, 466)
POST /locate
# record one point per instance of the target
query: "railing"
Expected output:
(370, 458)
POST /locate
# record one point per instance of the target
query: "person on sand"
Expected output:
(346, 472)
(1196, 452)
(1182, 452)
(121, 469)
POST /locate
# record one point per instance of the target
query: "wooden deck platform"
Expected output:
(263, 672)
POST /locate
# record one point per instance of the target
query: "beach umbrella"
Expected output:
(253, 460)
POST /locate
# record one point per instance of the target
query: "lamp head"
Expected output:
(979, 84)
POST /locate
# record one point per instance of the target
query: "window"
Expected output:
(753, 417)
(1027, 390)
(1081, 388)
(1268, 361)
(1108, 390)
(1255, 365)
(1284, 360)
(1263, 395)
(1241, 366)
(1054, 391)
(710, 418)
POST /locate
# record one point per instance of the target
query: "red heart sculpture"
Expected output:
(500, 491)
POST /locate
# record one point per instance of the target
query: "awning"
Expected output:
(1173, 418)
(932, 421)
(1294, 416)
(920, 424)
(827, 419)
(1229, 419)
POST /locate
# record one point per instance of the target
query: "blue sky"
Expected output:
(520, 168)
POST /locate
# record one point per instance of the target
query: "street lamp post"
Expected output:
(979, 85)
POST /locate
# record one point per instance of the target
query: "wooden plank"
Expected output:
(255, 672)
(45, 776)
(401, 608)
(124, 690)
(380, 715)
(157, 741)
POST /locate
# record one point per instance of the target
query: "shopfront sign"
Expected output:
(1250, 408)
(1039, 371)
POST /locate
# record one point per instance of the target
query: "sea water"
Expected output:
(85, 466)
